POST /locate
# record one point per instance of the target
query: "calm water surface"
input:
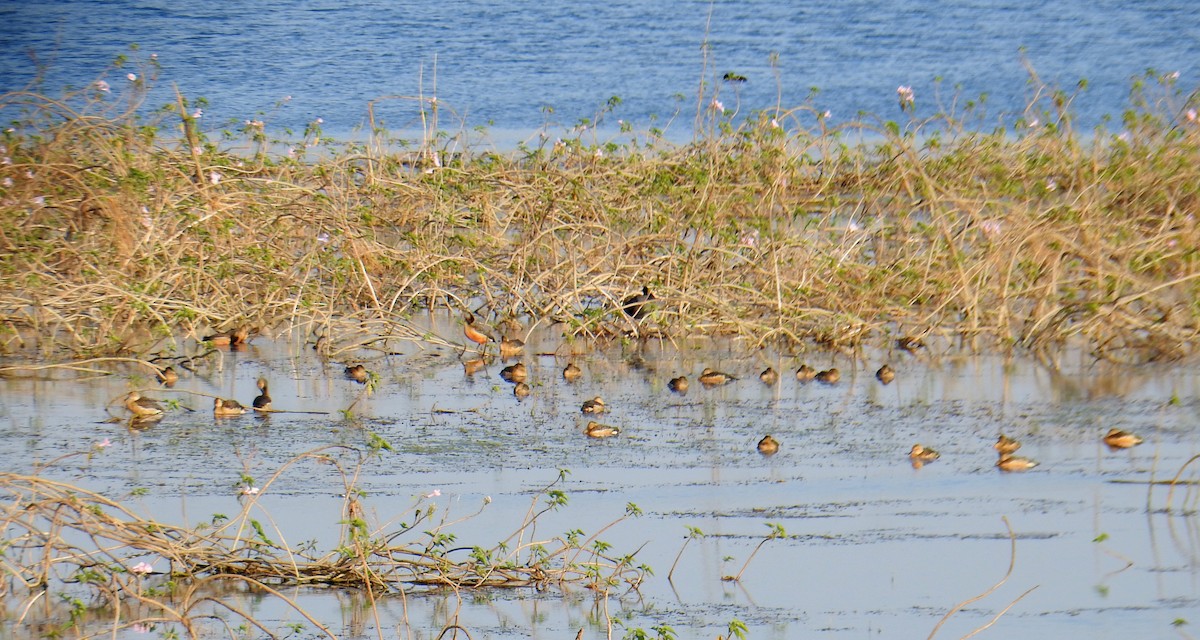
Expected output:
(875, 546)
(499, 65)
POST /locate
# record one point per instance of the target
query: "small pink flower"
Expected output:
(154, 56)
(1191, 115)
(774, 123)
(320, 120)
(132, 77)
(197, 114)
(1034, 123)
(103, 444)
(1051, 185)
(990, 228)
(102, 85)
(8, 182)
(827, 114)
(214, 177)
(433, 494)
(38, 200)
(141, 627)
(717, 106)
(141, 568)
(1174, 75)
(906, 96)
(250, 491)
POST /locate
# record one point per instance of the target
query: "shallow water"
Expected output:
(874, 546)
(500, 66)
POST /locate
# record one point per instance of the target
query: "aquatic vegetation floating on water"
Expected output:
(49, 519)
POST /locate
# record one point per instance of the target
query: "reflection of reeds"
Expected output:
(777, 531)
(1012, 560)
(1192, 497)
(784, 226)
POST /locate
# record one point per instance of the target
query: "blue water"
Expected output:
(499, 65)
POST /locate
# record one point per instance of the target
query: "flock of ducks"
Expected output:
(1006, 446)
(635, 306)
(147, 410)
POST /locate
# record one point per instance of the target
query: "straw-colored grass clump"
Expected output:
(780, 227)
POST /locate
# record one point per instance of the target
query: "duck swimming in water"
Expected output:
(595, 405)
(262, 403)
(1005, 444)
(223, 408)
(1118, 439)
(712, 378)
(142, 408)
(597, 430)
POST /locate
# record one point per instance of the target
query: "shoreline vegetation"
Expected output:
(121, 228)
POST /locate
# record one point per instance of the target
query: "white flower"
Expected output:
(214, 177)
(774, 123)
(7, 182)
(38, 200)
(1051, 185)
(433, 494)
(132, 77)
(197, 114)
(717, 106)
(141, 568)
(320, 120)
(102, 85)
(1191, 115)
(827, 115)
(250, 491)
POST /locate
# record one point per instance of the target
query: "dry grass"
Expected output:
(121, 569)
(116, 231)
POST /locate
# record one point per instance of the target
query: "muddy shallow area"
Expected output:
(874, 546)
